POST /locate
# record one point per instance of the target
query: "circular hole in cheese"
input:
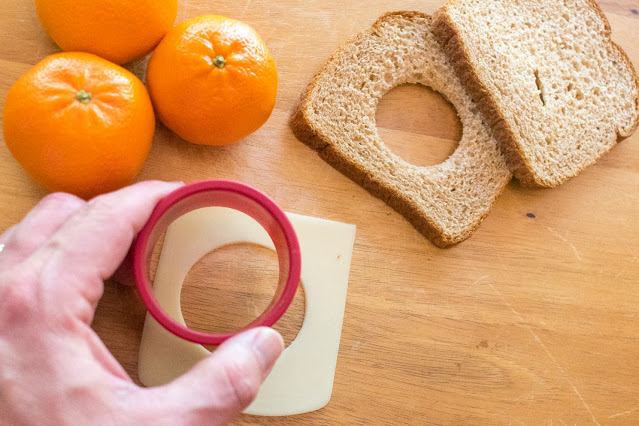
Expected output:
(231, 286)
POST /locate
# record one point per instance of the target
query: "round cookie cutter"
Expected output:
(237, 196)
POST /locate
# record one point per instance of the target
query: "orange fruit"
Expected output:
(117, 30)
(212, 80)
(79, 123)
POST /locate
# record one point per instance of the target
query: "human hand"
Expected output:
(55, 370)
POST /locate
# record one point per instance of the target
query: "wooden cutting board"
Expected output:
(535, 319)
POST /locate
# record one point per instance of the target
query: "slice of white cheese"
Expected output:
(302, 379)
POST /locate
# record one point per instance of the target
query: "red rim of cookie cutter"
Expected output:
(236, 196)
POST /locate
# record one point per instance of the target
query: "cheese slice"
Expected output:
(302, 378)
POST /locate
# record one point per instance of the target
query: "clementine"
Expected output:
(117, 30)
(212, 80)
(79, 123)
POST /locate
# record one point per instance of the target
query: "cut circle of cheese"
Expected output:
(302, 378)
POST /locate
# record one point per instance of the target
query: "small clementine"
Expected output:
(117, 30)
(212, 80)
(79, 123)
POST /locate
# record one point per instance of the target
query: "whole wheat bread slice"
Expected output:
(554, 87)
(336, 117)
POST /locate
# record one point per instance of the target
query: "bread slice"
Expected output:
(336, 117)
(553, 86)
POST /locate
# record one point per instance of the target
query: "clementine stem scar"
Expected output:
(84, 97)
(219, 61)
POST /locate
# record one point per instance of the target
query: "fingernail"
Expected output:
(267, 345)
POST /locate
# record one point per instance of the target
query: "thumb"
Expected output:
(218, 388)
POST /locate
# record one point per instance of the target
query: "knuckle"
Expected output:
(20, 240)
(241, 385)
(60, 199)
(17, 302)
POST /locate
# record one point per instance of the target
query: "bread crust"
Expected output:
(304, 129)
(446, 31)
(626, 59)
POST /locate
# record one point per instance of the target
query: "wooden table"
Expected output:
(532, 320)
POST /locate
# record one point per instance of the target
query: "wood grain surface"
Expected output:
(533, 320)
